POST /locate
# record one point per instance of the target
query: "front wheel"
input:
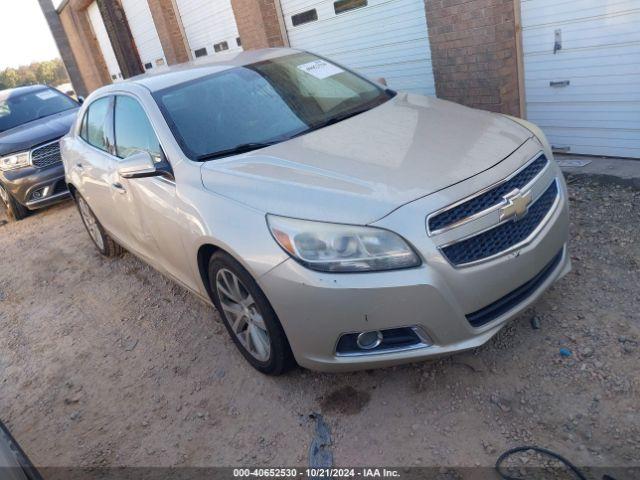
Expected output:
(248, 316)
(103, 242)
(14, 209)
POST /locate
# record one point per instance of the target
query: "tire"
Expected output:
(15, 210)
(103, 242)
(258, 324)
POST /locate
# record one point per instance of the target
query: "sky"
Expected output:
(24, 36)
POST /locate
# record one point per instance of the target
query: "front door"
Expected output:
(155, 226)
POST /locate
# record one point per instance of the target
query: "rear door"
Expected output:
(95, 163)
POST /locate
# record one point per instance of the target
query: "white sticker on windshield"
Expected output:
(320, 69)
(45, 95)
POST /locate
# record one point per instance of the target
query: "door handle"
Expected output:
(118, 187)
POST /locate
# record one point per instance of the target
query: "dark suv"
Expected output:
(32, 120)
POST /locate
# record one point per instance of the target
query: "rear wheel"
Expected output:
(105, 244)
(248, 316)
(14, 209)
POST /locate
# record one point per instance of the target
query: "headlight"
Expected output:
(17, 160)
(537, 131)
(333, 247)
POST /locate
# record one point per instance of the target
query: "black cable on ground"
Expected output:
(541, 450)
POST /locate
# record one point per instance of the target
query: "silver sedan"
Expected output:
(332, 222)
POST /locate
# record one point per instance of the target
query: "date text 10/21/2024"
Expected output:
(315, 473)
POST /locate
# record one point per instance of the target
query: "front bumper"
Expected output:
(315, 309)
(36, 187)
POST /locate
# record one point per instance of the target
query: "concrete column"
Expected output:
(92, 66)
(64, 47)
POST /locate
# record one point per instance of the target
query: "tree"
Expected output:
(51, 72)
(45, 72)
(9, 77)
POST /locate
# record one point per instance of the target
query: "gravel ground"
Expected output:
(106, 362)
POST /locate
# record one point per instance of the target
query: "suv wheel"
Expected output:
(14, 209)
(248, 316)
(105, 245)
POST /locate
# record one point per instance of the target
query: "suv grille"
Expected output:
(46, 155)
(505, 235)
(488, 199)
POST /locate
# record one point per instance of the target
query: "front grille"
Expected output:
(488, 199)
(514, 298)
(505, 235)
(46, 155)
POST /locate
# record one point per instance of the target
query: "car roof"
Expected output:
(166, 76)
(11, 92)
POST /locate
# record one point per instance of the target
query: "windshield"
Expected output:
(250, 107)
(20, 108)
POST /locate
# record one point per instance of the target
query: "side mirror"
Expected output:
(80, 100)
(382, 81)
(138, 165)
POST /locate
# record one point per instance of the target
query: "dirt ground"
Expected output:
(106, 362)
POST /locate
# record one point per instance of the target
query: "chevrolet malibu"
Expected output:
(332, 222)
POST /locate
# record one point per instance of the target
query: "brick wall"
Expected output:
(473, 51)
(167, 22)
(84, 45)
(258, 23)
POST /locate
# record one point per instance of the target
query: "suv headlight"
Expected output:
(17, 160)
(333, 247)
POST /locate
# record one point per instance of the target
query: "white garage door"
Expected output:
(209, 25)
(100, 32)
(144, 33)
(586, 95)
(378, 38)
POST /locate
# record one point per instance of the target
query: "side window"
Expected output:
(83, 126)
(94, 129)
(133, 131)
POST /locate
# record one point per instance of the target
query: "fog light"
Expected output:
(369, 340)
(40, 193)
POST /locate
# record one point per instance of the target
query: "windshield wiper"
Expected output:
(249, 147)
(242, 148)
(339, 118)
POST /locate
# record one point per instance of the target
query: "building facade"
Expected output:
(571, 67)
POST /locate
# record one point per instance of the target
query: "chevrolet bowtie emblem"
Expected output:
(516, 206)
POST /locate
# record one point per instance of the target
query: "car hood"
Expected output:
(28, 135)
(362, 168)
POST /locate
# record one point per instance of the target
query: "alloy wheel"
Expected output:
(90, 222)
(243, 315)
